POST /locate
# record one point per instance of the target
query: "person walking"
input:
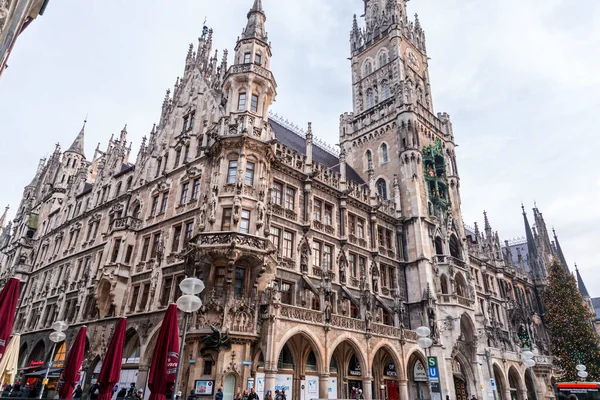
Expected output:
(77, 393)
(94, 391)
(253, 395)
(219, 394)
(269, 395)
(122, 393)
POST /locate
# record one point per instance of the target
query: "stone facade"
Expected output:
(15, 16)
(319, 265)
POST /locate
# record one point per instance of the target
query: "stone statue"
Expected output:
(375, 276)
(237, 209)
(260, 212)
(304, 258)
(202, 214)
(327, 311)
(342, 268)
(368, 319)
(213, 210)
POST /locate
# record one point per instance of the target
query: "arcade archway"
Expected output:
(386, 373)
(461, 388)
(530, 385)
(417, 377)
(515, 384)
(347, 366)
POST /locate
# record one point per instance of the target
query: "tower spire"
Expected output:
(561, 255)
(77, 146)
(580, 285)
(531, 247)
(255, 28)
(3, 218)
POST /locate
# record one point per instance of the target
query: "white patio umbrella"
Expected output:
(10, 361)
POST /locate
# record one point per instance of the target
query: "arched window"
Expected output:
(454, 247)
(368, 68)
(285, 360)
(370, 98)
(444, 284)
(129, 182)
(382, 188)
(439, 247)
(385, 89)
(118, 189)
(383, 59)
(369, 159)
(384, 153)
(311, 362)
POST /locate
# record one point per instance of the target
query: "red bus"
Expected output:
(579, 391)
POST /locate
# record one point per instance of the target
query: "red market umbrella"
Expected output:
(8, 304)
(165, 357)
(110, 374)
(70, 374)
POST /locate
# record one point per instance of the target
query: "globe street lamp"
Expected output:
(581, 371)
(57, 336)
(527, 358)
(188, 303)
(425, 343)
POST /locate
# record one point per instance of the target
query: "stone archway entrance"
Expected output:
(386, 374)
(514, 382)
(349, 371)
(460, 381)
(530, 385)
(417, 377)
(500, 383)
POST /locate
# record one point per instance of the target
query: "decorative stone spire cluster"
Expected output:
(77, 146)
(255, 28)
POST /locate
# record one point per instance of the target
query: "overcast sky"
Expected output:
(518, 77)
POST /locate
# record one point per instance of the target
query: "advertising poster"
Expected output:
(204, 388)
(332, 389)
(260, 385)
(283, 382)
(311, 389)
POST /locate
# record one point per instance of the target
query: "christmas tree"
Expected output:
(569, 320)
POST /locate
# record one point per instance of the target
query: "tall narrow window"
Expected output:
(249, 173)
(370, 98)
(327, 256)
(385, 90)
(155, 243)
(328, 215)
(184, 193)
(166, 291)
(232, 171)
(254, 103)
(240, 280)
(176, 239)
(369, 159)
(317, 209)
(384, 153)
(128, 254)
(165, 201)
(245, 222)
(288, 244)
(290, 195)
(361, 228)
(158, 165)
(189, 232)
(383, 59)
(362, 262)
(154, 206)
(275, 236)
(317, 254)
(257, 59)
(277, 193)
(196, 189)
(368, 68)
(286, 293)
(352, 224)
(115, 253)
(382, 188)
(242, 102)
(247, 58)
(352, 265)
(177, 158)
(226, 221)
(145, 248)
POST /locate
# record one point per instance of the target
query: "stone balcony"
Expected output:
(455, 299)
(129, 222)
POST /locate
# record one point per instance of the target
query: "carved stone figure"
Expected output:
(342, 268)
(260, 213)
(375, 276)
(368, 319)
(304, 259)
(215, 341)
(328, 311)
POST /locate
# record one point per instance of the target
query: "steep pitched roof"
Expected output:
(580, 285)
(296, 142)
(77, 146)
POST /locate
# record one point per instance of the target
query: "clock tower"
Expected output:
(398, 145)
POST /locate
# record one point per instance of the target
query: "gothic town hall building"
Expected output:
(319, 264)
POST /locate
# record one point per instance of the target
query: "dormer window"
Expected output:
(257, 59)
(242, 102)
(254, 103)
(247, 58)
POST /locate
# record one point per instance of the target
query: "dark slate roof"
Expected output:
(86, 189)
(296, 142)
(77, 146)
(596, 304)
(581, 286)
(124, 169)
(522, 246)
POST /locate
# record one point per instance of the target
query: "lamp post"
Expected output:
(581, 371)
(425, 343)
(527, 357)
(188, 303)
(57, 336)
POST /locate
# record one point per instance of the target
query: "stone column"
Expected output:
(142, 379)
(506, 394)
(324, 386)
(270, 381)
(368, 388)
(403, 389)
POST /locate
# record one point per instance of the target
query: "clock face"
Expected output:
(412, 59)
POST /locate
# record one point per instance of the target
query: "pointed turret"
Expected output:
(532, 252)
(560, 254)
(4, 217)
(580, 285)
(255, 28)
(77, 146)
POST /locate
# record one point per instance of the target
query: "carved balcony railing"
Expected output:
(226, 239)
(301, 314)
(129, 222)
(456, 299)
(348, 323)
(386, 330)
